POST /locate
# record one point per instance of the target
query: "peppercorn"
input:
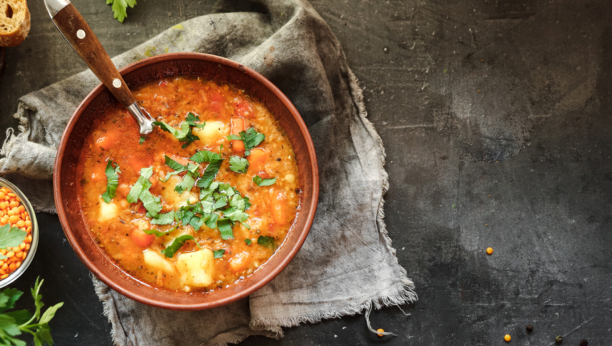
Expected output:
(558, 339)
(529, 328)
(584, 343)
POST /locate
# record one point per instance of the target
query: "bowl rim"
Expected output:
(239, 294)
(35, 234)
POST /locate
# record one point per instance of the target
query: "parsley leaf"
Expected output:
(112, 177)
(142, 183)
(184, 134)
(266, 241)
(236, 215)
(164, 219)
(11, 237)
(158, 233)
(120, 8)
(140, 190)
(225, 228)
(238, 164)
(191, 120)
(209, 174)
(205, 156)
(177, 244)
(151, 203)
(248, 241)
(259, 181)
(219, 253)
(211, 220)
(142, 139)
(186, 184)
(251, 138)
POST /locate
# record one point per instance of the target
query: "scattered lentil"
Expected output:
(13, 211)
(489, 251)
(507, 338)
(380, 331)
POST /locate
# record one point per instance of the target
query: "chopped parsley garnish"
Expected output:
(112, 176)
(248, 241)
(259, 181)
(158, 233)
(225, 228)
(184, 133)
(177, 244)
(142, 139)
(219, 253)
(238, 164)
(220, 207)
(266, 241)
(164, 219)
(251, 139)
(140, 190)
(214, 163)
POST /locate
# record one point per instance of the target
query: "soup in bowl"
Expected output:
(207, 208)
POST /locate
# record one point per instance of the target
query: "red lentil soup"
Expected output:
(201, 202)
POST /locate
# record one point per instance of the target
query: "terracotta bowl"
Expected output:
(220, 70)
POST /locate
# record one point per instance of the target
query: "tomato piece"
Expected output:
(141, 238)
(243, 109)
(123, 189)
(257, 160)
(239, 262)
(237, 127)
(279, 207)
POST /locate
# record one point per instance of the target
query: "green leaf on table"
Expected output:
(219, 253)
(10, 237)
(112, 181)
(259, 181)
(238, 164)
(120, 8)
(177, 244)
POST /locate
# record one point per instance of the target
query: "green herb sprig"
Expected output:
(15, 323)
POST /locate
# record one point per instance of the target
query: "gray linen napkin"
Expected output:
(346, 265)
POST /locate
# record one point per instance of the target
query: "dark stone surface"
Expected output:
(496, 116)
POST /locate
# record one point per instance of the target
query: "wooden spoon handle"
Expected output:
(76, 31)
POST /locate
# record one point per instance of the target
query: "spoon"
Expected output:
(82, 39)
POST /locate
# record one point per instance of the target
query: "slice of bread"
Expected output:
(14, 22)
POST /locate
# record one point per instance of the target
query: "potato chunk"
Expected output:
(155, 260)
(108, 211)
(196, 268)
(212, 132)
